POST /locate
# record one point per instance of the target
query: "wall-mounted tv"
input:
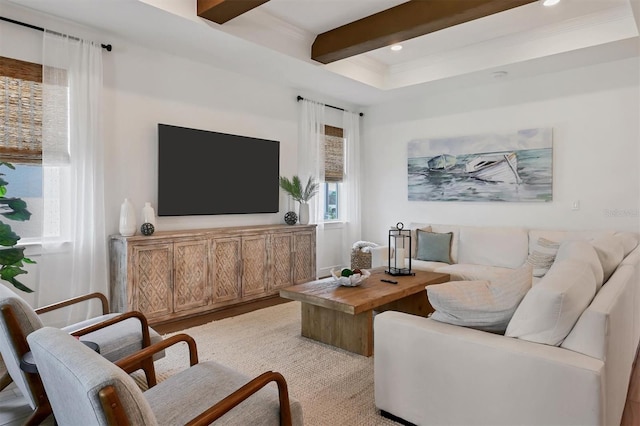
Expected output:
(209, 173)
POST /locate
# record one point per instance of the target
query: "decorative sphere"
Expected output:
(290, 218)
(147, 228)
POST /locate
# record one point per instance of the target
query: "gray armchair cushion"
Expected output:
(115, 341)
(183, 396)
(65, 364)
(73, 375)
(28, 322)
(118, 340)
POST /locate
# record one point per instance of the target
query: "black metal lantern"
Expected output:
(399, 244)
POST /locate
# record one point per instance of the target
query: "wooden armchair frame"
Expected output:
(116, 415)
(19, 340)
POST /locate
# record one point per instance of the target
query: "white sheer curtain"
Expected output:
(74, 247)
(351, 184)
(311, 163)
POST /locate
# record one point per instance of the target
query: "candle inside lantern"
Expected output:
(399, 257)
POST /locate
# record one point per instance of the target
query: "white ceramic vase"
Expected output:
(148, 214)
(127, 219)
(303, 214)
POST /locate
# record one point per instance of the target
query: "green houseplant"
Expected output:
(302, 195)
(12, 258)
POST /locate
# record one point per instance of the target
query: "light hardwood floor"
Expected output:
(14, 408)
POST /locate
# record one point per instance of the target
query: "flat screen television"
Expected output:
(210, 173)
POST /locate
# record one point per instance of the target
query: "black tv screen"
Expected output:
(208, 173)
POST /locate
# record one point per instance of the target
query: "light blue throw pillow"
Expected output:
(434, 247)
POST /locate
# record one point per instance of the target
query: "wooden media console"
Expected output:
(175, 274)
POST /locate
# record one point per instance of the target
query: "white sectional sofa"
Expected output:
(436, 373)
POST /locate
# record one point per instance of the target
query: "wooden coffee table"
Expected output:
(343, 316)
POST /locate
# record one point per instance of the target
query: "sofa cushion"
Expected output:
(424, 265)
(542, 256)
(486, 305)
(504, 247)
(468, 272)
(610, 252)
(551, 308)
(562, 236)
(584, 251)
(433, 246)
(629, 241)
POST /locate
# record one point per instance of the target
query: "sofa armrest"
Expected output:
(445, 374)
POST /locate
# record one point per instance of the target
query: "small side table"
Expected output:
(28, 364)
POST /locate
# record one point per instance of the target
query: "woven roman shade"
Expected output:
(333, 154)
(20, 111)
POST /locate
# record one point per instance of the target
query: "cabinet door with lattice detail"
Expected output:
(304, 257)
(225, 269)
(151, 291)
(281, 261)
(254, 265)
(191, 289)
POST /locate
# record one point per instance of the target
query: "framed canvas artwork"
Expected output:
(512, 167)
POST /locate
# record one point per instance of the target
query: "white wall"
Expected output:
(144, 87)
(594, 113)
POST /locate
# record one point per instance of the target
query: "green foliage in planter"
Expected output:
(11, 257)
(294, 188)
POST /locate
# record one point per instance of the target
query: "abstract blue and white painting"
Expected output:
(515, 166)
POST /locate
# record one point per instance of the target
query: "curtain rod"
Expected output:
(300, 98)
(107, 47)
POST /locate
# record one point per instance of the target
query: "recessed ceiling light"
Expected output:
(550, 2)
(396, 47)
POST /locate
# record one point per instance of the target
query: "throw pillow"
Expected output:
(583, 251)
(433, 247)
(414, 238)
(485, 305)
(551, 308)
(542, 256)
(610, 252)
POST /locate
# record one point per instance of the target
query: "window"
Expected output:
(21, 139)
(334, 171)
(331, 205)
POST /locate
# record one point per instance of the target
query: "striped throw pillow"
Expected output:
(543, 256)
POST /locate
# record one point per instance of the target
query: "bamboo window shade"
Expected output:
(333, 154)
(20, 111)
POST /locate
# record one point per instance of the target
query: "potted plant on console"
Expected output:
(12, 258)
(302, 195)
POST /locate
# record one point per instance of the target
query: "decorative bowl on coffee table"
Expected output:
(352, 280)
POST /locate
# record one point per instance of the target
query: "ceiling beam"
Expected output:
(221, 11)
(403, 22)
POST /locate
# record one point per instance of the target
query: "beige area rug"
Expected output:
(335, 387)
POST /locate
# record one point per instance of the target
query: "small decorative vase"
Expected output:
(148, 214)
(127, 219)
(303, 214)
(290, 218)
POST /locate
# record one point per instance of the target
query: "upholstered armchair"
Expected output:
(117, 335)
(86, 389)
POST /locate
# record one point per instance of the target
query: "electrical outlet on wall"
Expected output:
(575, 205)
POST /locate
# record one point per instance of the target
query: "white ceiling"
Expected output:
(273, 42)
